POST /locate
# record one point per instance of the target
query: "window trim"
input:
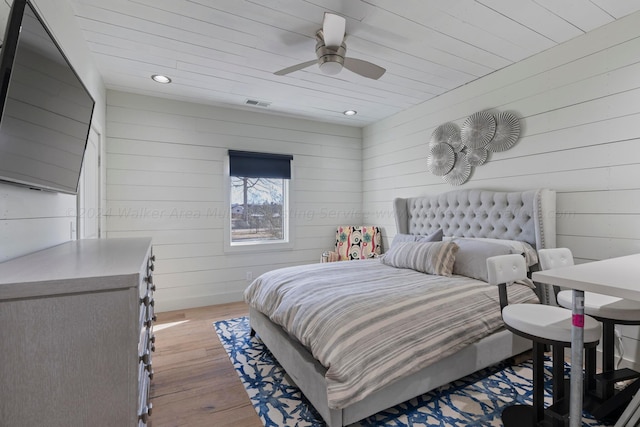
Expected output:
(259, 246)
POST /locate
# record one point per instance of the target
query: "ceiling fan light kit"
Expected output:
(331, 51)
(330, 60)
(330, 68)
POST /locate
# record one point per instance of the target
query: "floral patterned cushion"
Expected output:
(358, 242)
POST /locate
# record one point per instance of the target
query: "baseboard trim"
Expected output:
(194, 302)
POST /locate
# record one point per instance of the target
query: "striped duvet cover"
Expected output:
(370, 324)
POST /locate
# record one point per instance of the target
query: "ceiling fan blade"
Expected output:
(333, 28)
(364, 68)
(295, 68)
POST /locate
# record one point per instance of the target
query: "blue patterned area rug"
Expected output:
(476, 400)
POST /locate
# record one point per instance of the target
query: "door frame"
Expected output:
(79, 208)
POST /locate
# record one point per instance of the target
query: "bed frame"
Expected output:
(527, 216)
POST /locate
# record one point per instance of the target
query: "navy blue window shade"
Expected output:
(259, 165)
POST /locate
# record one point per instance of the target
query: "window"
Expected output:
(259, 198)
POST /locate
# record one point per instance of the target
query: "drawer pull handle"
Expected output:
(146, 413)
(148, 301)
(145, 358)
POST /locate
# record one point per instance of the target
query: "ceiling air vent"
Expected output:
(256, 103)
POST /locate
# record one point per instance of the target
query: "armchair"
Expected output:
(355, 242)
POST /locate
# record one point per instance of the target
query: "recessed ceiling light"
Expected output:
(350, 113)
(160, 78)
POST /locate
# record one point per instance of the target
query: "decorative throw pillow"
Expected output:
(436, 236)
(517, 247)
(471, 258)
(400, 238)
(358, 242)
(430, 257)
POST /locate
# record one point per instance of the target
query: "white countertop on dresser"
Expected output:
(76, 266)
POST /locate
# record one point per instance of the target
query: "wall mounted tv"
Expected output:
(45, 108)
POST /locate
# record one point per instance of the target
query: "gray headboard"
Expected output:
(528, 216)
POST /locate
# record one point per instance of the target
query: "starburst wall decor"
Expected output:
(453, 152)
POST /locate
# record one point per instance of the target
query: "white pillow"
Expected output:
(471, 258)
(517, 247)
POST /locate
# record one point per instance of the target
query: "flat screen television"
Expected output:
(45, 109)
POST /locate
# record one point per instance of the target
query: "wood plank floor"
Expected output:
(194, 382)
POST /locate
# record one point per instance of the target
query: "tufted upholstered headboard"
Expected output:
(528, 216)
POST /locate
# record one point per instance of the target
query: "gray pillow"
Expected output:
(430, 257)
(471, 258)
(400, 238)
(436, 236)
(517, 247)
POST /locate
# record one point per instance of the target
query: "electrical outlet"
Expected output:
(249, 276)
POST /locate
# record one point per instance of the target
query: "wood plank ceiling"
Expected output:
(224, 52)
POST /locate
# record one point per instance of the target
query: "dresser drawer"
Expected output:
(143, 344)
(146, 277)
(144, 402)
(146, 341)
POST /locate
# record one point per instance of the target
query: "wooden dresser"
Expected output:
(76, 335)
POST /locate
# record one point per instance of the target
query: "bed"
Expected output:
(346, 383)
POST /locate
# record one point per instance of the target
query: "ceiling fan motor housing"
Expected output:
(332, 54)
(330, 59)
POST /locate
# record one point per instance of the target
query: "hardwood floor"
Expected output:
(194, 382)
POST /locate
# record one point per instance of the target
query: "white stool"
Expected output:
(610, 311)
(544, 325)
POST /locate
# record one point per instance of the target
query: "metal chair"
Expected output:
(610, 311)
(544, 325)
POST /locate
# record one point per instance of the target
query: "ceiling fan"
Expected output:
(331, 51)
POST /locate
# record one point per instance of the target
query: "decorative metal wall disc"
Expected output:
(460, 172)
(455, 141)
(507, 132)
(438, 135)
(476, 156)
(444, 132)
(478, 129)
(440, 159)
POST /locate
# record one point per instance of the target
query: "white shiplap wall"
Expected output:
(165, 174)
(579, 105)
(33, 220)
